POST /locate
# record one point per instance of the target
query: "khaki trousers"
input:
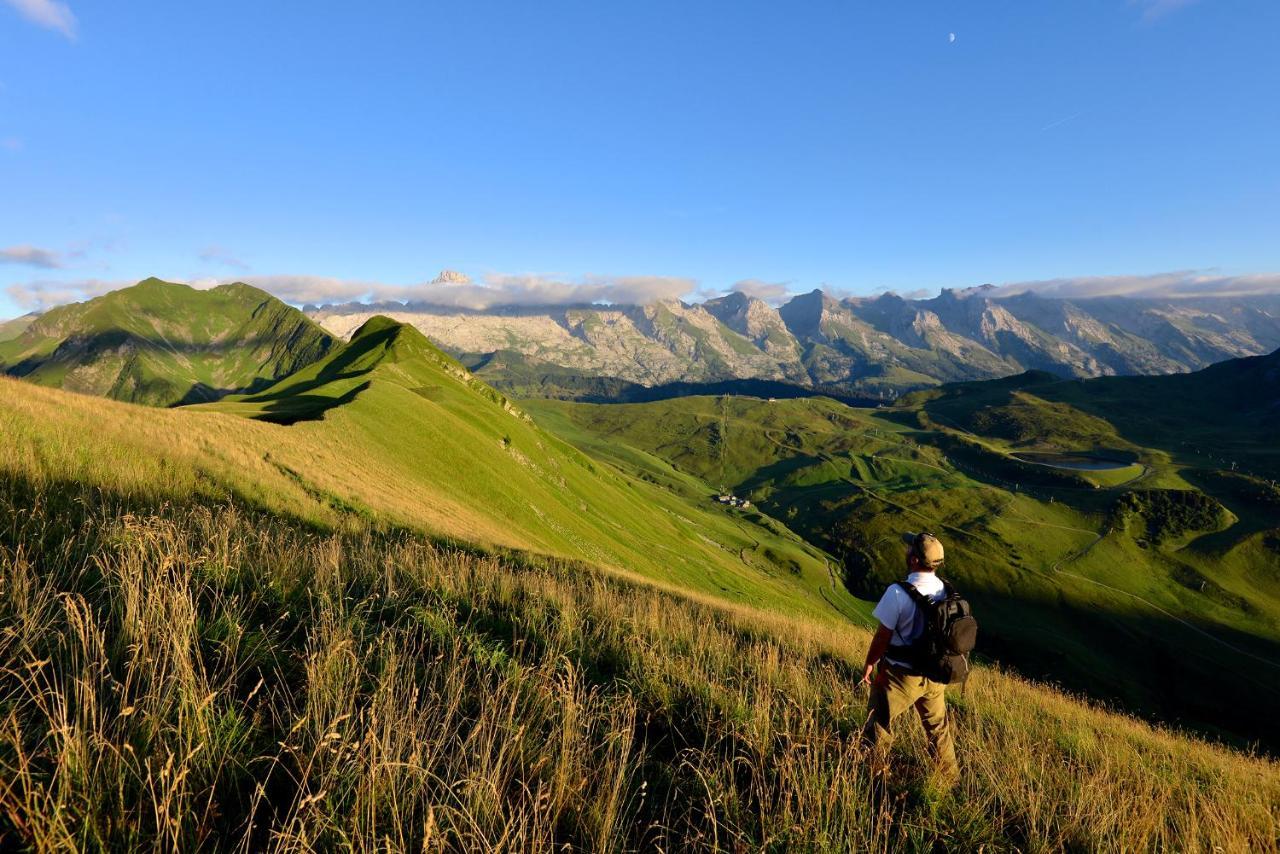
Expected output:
(893, 691)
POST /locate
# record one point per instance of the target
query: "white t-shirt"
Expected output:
(896, 611)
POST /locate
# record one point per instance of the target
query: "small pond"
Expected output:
(1078, 462)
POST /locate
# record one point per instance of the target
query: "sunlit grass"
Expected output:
(202, 676)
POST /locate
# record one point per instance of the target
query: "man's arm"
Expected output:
(879, 644)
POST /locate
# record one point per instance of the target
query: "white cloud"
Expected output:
(222, 256)
(914, 294)
(1178, 284)
(457, 291)
(47, 13)
(771, 292)
(41, 295)
(494, 290)
(454, 291)
(31, 256)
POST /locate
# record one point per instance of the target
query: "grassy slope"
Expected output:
(195, 675)
(12, 328)
(1175, 629)
(423, 445)
(160, 344)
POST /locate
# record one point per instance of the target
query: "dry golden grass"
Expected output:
(199, 676)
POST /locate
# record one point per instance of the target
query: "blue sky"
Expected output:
(610, 150)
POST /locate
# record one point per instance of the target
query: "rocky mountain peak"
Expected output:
(451, 277)
(803, 313)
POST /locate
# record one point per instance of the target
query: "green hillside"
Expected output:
(12, 328)
(1227, 413)
(1154, 583)
(162, 344)
(389, 427)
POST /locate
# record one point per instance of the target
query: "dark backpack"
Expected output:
(941, 653)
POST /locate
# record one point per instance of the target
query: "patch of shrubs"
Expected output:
(1168, 513)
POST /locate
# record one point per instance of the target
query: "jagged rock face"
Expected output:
(757, 321)
(653, 344)
(875, 346)
(451, 277)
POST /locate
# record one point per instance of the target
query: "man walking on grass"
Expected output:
(898, 684)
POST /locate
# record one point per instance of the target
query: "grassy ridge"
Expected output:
(162, 344)
(205, 676)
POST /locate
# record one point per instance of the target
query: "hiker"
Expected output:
(920, 632)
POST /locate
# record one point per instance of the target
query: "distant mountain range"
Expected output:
(165, 344)
(871, 347)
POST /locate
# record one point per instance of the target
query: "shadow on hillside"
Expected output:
(1145, 664)
(780, 469)
(305, 407)
(340, 367)
(1194, 673)
(199, 392)
(205, 393)
(513, 373)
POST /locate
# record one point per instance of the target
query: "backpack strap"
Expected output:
(916, 596)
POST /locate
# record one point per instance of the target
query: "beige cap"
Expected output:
(927, 546)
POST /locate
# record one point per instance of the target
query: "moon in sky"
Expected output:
(951, 38)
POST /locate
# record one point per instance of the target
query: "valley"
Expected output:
(1144, 578)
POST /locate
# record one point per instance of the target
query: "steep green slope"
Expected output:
(1165, 600)
(389, 427)
(162, 344)
(195, 674)
(12, 328)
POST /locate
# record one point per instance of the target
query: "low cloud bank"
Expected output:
(455, 290)
(42, 295)
(771, 292)
(449, 289)
(1181, 284)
